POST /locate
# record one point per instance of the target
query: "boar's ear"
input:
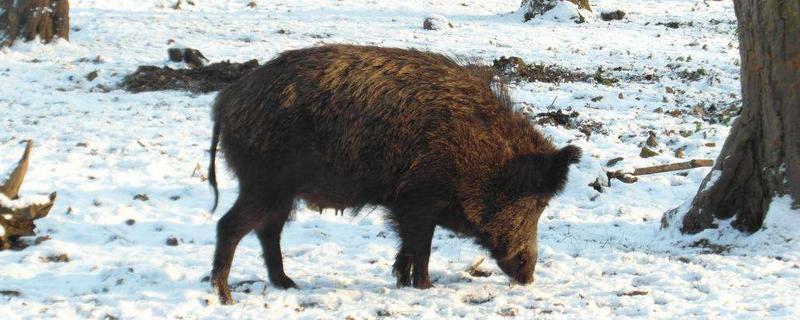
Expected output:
(556, 175)
(541, 174)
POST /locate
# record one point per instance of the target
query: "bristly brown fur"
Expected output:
(431, 138)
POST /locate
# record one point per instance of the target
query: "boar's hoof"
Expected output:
(283, 282)
(402, 271)
(224, 293)
(403, 280)
(423, 284)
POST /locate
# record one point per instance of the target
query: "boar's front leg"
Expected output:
(402, 267)
(411, 264)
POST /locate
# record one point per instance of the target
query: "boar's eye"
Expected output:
(520, 264)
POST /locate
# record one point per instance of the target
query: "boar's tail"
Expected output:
(559, 168)
(212, 172)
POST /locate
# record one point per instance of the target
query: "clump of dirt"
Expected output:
(612, 15)
(692, 75)
(10, 293)
(710, 247)
(569, 121)
(203, 79)
(557, 118)
(62, 258)
(516, 69)
(675, 24)
(600, 76)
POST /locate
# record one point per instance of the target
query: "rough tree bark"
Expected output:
(17, 221)
(534, 8)
(761, 157)
(28, 19)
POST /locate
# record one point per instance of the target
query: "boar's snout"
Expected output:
(520, 267)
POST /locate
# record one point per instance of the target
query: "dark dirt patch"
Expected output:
(601, 76)
(675, 24)
(172, 242)
(516, 69)
(569, 121)
(633, 293)
(19, 244)
(62, 258)
(716, 22)
(557, 118)
(10, 293)
(612, 15)
(710, 246)
(204, 79)
(383, 313)
(693, 75)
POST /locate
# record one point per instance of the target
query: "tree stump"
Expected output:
(535, 8)
(17, 217)
(28, 19)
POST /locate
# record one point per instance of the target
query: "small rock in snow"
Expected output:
(647, 153)
(612, 15)
(436, 22)
(172, 242)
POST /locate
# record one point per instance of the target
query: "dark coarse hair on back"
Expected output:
(472, 66)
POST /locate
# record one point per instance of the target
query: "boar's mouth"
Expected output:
(518, 268)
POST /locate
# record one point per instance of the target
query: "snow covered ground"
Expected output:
(602, 254)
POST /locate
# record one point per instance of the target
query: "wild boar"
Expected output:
(433, 141)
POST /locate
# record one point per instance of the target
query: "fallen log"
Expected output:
(697, 163)
(629, 177)
(17, 215)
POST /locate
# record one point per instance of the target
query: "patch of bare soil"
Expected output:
(569, 121)
(516, 69)
(203, 79)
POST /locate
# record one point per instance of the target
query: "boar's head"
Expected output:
(523, 189)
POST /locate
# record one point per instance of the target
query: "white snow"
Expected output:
(602, 255)
(22, 202)
(712, 179)
(564, 11)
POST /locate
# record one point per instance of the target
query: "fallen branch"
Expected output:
(697, 163)
(628, 177)
(475, 272)
(621, 176)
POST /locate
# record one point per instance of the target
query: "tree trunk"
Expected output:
(28, 19)
(761, 157)
(534, 8)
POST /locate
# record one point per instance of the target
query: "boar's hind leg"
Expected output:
(269, 234)
(242, 218)
(402, 267)
(414, 253)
